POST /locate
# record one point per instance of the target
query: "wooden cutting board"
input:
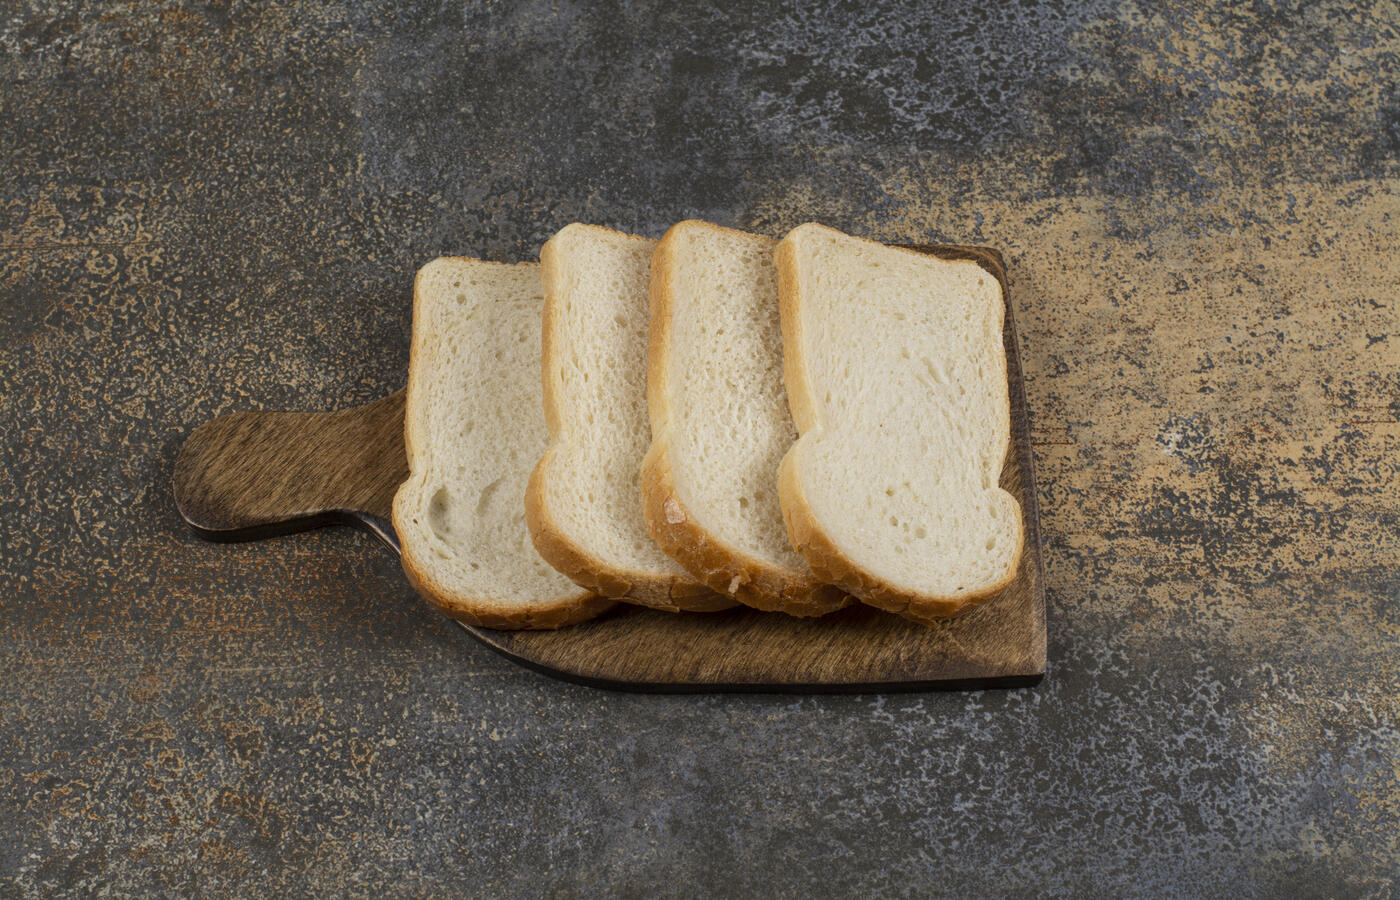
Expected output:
(253, 475)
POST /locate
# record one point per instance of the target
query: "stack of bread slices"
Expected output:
(710, 419)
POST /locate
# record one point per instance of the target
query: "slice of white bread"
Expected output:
(720, 422)
(583, 504)
(896, 376)
(473, 427)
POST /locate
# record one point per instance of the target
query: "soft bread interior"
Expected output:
(728, 417)
(474, 429)
(587, 504)
(898, 385)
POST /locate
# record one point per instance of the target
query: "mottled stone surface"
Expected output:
(215, 207)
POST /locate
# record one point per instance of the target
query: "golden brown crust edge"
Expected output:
(463, 608)
(481, 612)
(807, 537)
(829, 563)
(722, 567)
(642, 589)
(667, 593)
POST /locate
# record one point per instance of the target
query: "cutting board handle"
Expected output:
(252, 475)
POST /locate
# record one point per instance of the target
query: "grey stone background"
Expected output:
(217, 206)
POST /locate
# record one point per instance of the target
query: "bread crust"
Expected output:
(473, 610)
(804, 531)
(479, 611)
(726, 570)
(678, 593)
(723, 567)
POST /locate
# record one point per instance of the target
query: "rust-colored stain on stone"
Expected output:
(209, 207)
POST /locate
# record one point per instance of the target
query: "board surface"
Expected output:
(257, 474)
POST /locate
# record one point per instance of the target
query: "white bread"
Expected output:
(583, 504)
(472, 429)
(896, 376)
(720, 422)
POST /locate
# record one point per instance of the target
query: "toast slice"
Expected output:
(472, 428)
(583, 504)
(896, 376)
(719, 420)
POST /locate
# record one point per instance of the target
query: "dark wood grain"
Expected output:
(251, 475)
(255, 474)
